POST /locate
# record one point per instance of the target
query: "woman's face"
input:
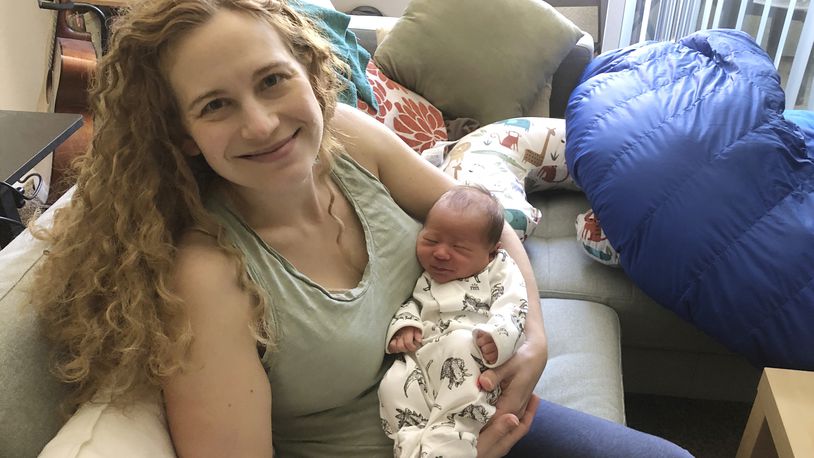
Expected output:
(246, 102)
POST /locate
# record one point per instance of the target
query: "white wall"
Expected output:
(26, 36)
(26, 40)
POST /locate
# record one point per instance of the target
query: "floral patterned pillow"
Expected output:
(406, 113)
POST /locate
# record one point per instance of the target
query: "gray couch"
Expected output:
(599, 325)
(661, 353)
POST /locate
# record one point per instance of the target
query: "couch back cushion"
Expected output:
(479, 59)
(30, 397)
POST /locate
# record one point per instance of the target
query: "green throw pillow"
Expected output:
(484, 59)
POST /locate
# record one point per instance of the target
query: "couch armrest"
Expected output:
(568, 74)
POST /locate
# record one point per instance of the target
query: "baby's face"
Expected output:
(452, 245)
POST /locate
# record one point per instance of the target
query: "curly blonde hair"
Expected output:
(104, 292)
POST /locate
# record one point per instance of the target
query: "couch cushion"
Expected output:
(99, 430)
(584, 370)
(583, 373)
(30, 397)
(517, 46)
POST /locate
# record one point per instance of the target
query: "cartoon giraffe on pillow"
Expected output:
(546, 173)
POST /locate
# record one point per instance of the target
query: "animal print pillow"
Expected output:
(511, 158)
(542, 142)
(534, 149)
(494, 168)
(593, 241)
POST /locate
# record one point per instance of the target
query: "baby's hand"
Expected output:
(487, 346)
(406, 339)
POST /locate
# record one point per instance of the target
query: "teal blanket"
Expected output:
(334, 25)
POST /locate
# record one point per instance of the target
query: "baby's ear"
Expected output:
(493, 251)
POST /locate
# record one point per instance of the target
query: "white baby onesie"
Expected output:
(430, 401)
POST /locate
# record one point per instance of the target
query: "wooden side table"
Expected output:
(781, 423)
(27, 137)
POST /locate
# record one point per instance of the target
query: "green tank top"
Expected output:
(330, 356)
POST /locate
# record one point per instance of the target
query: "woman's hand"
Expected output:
(500, 435)
(517, 403)
(517, 377)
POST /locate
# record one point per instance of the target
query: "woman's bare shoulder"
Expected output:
(362, 137)
(199, 254)
(195, 244)
(206, 275)
(412, 181)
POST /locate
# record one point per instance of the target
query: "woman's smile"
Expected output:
(275, 152)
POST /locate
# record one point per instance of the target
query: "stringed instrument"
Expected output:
(72, 70)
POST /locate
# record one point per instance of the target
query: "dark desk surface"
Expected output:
(27, 137)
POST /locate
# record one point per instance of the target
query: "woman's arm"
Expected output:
(415, 185)
(220, 404)
(519, 375)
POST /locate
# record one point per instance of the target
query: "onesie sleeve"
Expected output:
(509, 307)
(408, 314)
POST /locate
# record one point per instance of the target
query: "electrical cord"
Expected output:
(18, 194)
(3, 219)
(36, 188)
(20, 197)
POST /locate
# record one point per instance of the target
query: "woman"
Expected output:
(245, 242)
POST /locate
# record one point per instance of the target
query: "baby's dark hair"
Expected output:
(478, 199)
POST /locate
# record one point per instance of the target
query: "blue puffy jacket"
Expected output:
(704, 187)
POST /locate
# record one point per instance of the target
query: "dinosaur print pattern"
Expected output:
(408, 417)
(386, 427)
(454, 369)
(519, 316)
(443, 325)
(415, 376)
(497, 291)
(472, 304)
(475, 413)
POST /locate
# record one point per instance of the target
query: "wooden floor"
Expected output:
(707, 429)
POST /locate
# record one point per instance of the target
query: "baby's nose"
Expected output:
(441, 252)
